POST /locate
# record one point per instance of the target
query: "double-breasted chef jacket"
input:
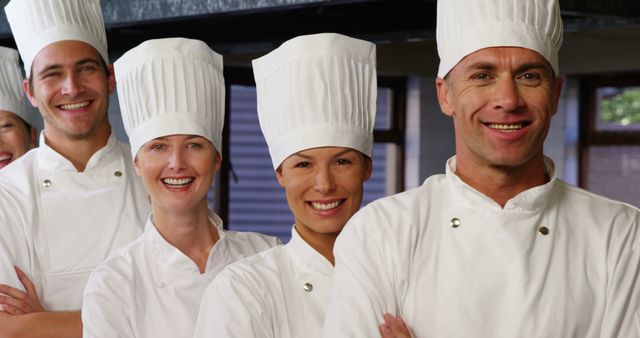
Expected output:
(58, 224)
(149, 288)
(279, 293)
(556, 261)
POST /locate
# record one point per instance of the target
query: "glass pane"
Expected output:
(383, 113)
(614, 172)
(618, 108)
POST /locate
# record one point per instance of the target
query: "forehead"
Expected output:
(4, 114)
(502, 57)
(326, 151)
(62, 53)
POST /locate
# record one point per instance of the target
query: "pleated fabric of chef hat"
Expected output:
(12, 96)
(170, 87)
(466, 26)
(36, 24)
(317, 91)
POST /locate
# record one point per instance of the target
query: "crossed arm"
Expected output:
(24, 316)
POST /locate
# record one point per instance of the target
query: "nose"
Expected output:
(506, 95)
(176, 160)
(325, 182)
(72, 86)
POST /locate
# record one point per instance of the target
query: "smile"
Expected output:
(508, 128)
(5, 157)
(326, 206)
(72, 106)
(177, 182)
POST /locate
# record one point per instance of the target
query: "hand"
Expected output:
(17, 302)
(394, 327)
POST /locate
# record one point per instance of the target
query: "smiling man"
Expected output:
(65, 206)
(498, 246)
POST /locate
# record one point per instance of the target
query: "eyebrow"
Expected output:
(342, 153)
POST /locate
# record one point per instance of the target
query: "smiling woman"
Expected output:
(17, 135)
(176, 151)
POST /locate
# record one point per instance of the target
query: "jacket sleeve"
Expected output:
(14, 250)
(105, 308)
(622, 311)
(365, 279)
(231, 308)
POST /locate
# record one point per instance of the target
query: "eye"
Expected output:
(303, 164)
(480, 76)
(157, 147)
(194, 146)
(6, 125)
(343, 161)
(531, 78)
(87, 68)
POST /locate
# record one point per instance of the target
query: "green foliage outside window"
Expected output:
(623, 108)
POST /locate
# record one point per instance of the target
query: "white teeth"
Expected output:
(4, 158)
(506, 127)
(72, 106)
(177, 181)
(328, 206)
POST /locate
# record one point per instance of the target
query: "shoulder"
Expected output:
(591, 203)
(19, 175)
(121, 263)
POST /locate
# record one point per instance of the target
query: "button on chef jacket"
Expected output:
(149, 288)
(279, 293)
(58, 224)
(556, 261)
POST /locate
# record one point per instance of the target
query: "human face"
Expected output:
(71, 89)
(501, 100)
(15, 138)
(324, 188)
(177, 171)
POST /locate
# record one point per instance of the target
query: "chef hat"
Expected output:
(466, 26)
(12, 97)
(317, 91)
(36, 24)
(169, 87)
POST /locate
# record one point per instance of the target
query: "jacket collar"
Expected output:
(306, 256)
(52, 160)
(529, 200)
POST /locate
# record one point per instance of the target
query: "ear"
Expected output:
(444, 99)
(557, 91)
(28, 91)
(34, 137)
(111, 79)
(280, 177)
(217, 162)
(367, 170)
(136, 165)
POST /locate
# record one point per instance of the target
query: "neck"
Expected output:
(188, 231)
(77, 151)
(322, 243)
(503, 183)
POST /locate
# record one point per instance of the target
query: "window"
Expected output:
(255, 200)
(611, 137)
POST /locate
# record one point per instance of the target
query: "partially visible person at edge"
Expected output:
(316, 106)
(498, 246)
(171, 94)
(69, 203)
(17, 134)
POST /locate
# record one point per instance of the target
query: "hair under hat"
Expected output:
(466, 26)
(12, 96)
(36, 24)
(169, 87)
(317, 91)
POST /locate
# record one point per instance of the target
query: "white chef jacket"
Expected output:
(279, 293)
(556, 261)
(58, 224)
(149, 288)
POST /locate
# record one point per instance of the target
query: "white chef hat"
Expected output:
(36, 24)
(169, 87)
(12, 96)
(317, 91)
(466, 26)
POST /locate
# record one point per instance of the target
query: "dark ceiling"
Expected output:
(251, 30)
